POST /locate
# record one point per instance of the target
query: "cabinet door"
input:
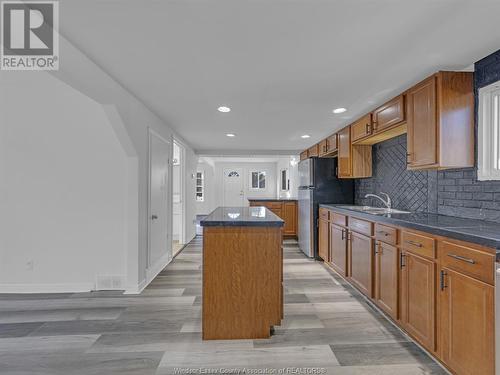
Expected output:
(338, 249)
(386, 278)
(324, 240)
(332, 143)
(361, 128)
(290, 217)
(417, 298)
(467, 324)
(303, 155)
(390, 114)
(344, 153)
(313, 151)
(422, 123)
(323, 147)
(361, 260)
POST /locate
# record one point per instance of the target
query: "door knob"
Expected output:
(154, 217)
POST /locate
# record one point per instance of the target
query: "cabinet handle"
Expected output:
(407, 156)
(442, 275)
(402, 260)
(417, 244)
(343, 234)
(368, 129)
(463, 259)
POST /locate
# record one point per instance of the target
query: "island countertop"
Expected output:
(242, 217)
(272, 199)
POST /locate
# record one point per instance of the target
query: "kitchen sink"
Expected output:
(376, 210)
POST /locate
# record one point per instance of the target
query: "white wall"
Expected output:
(64, 188)
(130, 120)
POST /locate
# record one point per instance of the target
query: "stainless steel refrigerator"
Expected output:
(318, 183)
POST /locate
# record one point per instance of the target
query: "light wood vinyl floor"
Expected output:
(327, 326)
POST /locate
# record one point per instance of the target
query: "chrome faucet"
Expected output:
(387, 203)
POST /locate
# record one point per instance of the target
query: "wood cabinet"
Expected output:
(338, 249)
(286, 210)
(467, 323)
(386, 278)
(303, 155)
(313, 151)
(361, 262)
(328, 146)
(290, 216)
(391, 114)
(440, 122)
(418, 291)
(362, 128)
(324, 239)
(354, 161)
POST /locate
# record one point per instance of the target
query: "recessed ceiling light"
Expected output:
(230, 135)
(305, 136)
(339, 110)
(224, 109)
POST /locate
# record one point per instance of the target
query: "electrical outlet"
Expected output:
(30, 265)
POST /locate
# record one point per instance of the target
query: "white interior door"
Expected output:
(234, 194)
(159, 152)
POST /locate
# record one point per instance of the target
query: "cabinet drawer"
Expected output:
(361, 226)
(386, 234)
(419, 244)
(473, 262)
(338, 219)
(324, 213)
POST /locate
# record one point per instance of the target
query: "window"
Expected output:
(285, 182)
(258, 180)
(200, 187)
(489, 133)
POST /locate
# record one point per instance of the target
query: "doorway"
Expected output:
(233, 185)
(158, 215)
(178, 205)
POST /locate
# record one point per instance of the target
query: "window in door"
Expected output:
(200, 187)
(489, 132)
(258, 180)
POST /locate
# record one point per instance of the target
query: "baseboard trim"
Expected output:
(151, 273)
(46, 288)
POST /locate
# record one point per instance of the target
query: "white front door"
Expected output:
(234, 195)
(159, 154)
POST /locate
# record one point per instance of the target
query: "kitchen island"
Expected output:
(242, 273)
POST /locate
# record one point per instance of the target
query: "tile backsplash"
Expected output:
(409, 190)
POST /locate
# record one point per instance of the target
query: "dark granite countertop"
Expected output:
(271, 199)
(476, 231)
(242, 217)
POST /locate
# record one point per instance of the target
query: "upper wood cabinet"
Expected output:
(391, 114)
(354, 161)
(313, 151)
(362, 128)
(440, 122)
(303, 155)
(328, 147)
(467, 323)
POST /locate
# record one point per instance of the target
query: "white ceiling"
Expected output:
(281, 65)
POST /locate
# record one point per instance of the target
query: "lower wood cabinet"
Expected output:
(361, 262)
(324, 240)
(338, 249)
(418, 294)
(386, 278)
(466, 323)
(286, 210)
